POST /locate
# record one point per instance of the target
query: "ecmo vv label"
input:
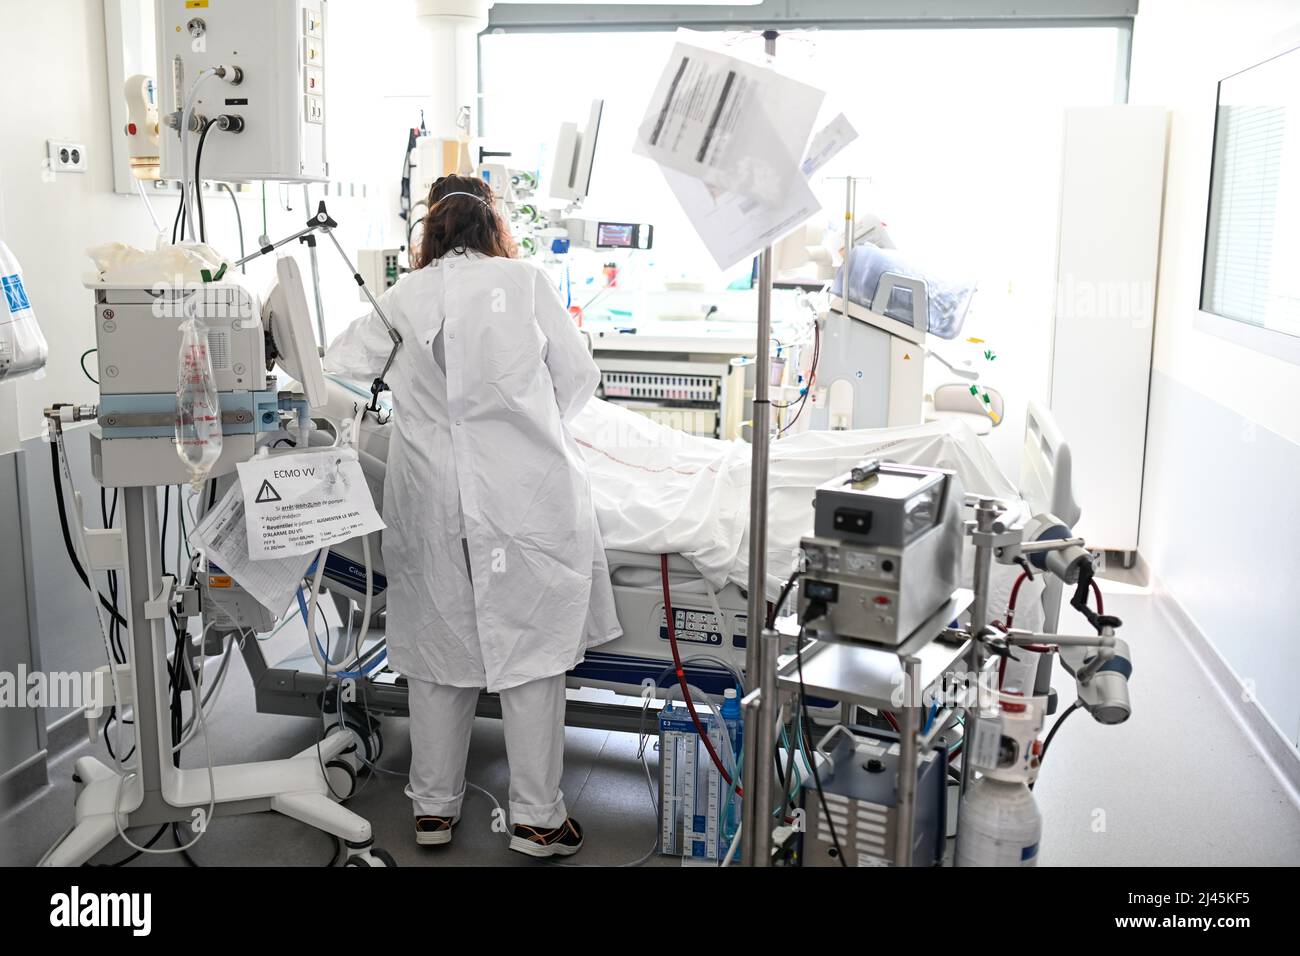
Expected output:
(303, 502)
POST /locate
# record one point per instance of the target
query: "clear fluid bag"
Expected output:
(198, 409)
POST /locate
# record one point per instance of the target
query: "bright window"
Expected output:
(1252, 242)
(959, 131)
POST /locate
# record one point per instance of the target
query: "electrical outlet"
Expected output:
(67, 157)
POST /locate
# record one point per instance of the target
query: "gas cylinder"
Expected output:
(998, 824)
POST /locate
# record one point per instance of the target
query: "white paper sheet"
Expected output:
(733, 226)
(735, 125)
(300, 503)
(658, 491)
(828, 141)
(223, 536)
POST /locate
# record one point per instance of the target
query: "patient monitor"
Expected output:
(575, 154)
(286, 316)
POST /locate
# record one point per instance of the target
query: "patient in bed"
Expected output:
(658, 490)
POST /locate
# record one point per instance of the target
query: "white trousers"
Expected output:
(441, 720)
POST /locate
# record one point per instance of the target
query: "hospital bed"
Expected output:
(696, 512)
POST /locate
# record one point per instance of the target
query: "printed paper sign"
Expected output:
(223, 536)
(737, 126)
(733, 226)
(295, 504)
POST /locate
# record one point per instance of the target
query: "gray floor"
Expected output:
(1178, 784)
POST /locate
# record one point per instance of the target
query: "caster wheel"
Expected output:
(367, 732)
(367, 735)
(374, 858)
(342, 779)
(351, 754)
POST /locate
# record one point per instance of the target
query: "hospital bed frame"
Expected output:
(601, 688)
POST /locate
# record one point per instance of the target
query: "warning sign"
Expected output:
(302, 502)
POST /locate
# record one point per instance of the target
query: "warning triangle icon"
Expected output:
(266, 493)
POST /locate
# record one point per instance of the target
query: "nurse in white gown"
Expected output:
(496, 570)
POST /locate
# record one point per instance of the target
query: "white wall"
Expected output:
(49, 221)
(53, 86)
(1220, 512)
(1181, 49)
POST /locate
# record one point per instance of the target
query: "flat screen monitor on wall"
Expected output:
(1252, 237)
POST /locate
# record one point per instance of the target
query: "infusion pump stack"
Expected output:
(252, 74)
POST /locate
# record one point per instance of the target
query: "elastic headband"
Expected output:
(470, 195)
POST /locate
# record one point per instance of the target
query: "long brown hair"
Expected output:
(459, 223)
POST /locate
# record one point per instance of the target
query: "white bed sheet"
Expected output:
(659, 490)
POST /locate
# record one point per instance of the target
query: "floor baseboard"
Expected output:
(1279, 752)
(23, 781)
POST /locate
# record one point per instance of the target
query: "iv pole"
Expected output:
(761, 704)
(310, 242)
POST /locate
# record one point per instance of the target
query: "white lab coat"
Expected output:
(485, 442)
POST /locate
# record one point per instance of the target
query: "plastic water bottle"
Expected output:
(198, 410)
(23, 347)
(731, 717)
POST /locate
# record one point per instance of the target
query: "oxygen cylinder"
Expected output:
(998, 825)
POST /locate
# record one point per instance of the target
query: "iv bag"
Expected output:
(198, 410)
(22, 346)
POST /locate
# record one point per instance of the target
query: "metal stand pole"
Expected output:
(756, 838)
(850, 214)
(986, 522)
(760, 446)
(751, 708)
(986, 513)
(909, 719)
(140, 528)
(759, 799)
(315, 276)
(321, 221)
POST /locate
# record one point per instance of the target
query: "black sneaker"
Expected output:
(433, 831)
(564, 840)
